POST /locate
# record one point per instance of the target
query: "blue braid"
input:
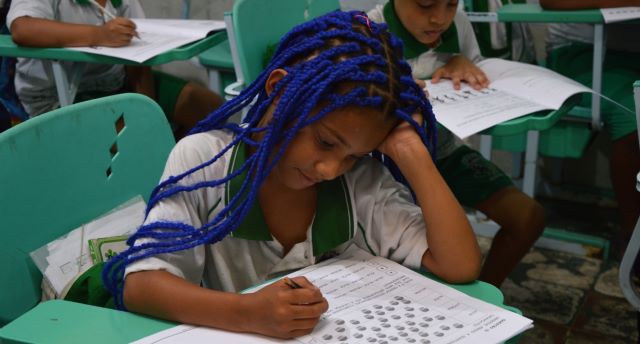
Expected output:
(318, 55)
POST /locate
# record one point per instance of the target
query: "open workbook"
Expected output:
(157, 36)
(375, 300)
(516, 89)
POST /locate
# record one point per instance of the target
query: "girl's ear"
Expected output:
(275, 76)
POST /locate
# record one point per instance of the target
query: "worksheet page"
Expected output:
(515, 89)
(157, 36)
(375, 300)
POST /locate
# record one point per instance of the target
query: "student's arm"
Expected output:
(45, 33)
(585, 4)
(141, 80)
(276, 310)
(453, 252)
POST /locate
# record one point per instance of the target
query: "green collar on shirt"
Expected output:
(333, 223)
(115, 3)
(412, 47)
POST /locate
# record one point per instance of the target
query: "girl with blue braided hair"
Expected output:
(295, 184)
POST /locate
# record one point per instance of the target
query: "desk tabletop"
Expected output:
(533, 13)
(68, 322)
(9, 48)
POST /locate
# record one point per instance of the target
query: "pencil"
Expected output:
(291, 284)
(108, 14)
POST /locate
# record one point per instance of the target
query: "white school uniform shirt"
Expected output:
(365, 207)
(425, 64)
(35, 84)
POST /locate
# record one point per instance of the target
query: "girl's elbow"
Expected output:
(470, 272)
(467, 272)
(20, 31)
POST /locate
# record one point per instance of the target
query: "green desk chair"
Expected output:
(256, 25)
(65, 168)
(219, 64)
(627, 285)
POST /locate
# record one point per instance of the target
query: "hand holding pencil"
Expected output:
(287, 308)
(116, 32)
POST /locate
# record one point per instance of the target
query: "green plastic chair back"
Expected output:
(65, 168)
(259, 24)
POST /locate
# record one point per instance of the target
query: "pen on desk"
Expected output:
(108, 14)
(291, 284)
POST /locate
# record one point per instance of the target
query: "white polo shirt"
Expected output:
(365, 207)
(459, 39)
(35, 84)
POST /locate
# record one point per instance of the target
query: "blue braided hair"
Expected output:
(337, 60)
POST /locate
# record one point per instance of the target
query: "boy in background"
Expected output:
(70, 23)
(439, 43)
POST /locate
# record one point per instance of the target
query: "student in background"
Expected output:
(69, 23)
(239, 205)
(570, 52)
(439, 43)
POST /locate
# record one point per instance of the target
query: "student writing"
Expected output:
(295, 184)
(69, 23)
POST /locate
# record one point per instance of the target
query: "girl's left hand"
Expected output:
(403, 139)
(459, 69)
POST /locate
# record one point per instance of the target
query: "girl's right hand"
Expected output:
(116, 33)
(282, 312)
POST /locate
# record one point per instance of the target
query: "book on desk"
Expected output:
(516, 89)
(375, 298)
(157, 36)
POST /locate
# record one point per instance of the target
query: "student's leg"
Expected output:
(194, 103)
(624, 165)
(480, 184)
(521, 221)
(624, 157)
(184, 103)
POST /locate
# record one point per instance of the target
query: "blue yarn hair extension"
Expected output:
(338, 49)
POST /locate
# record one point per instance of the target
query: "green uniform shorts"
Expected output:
(471, 177)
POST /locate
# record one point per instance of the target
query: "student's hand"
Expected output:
(404, 142)
(282, 312)
(458, 69)
(116, 32)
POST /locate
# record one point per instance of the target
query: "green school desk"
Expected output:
(68, 322)
(533, 13)
(67, 85)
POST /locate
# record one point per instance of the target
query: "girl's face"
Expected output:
(426, 20)
(330, 147)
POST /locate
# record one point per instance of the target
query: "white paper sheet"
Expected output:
(65, 258)
(515, 89)
(375, 298)
(617, 14)
(158, 36)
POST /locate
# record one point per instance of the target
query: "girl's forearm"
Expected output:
(453, 252)
(163, 295)
(43, 33)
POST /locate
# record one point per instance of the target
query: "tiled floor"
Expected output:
(571, 298)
